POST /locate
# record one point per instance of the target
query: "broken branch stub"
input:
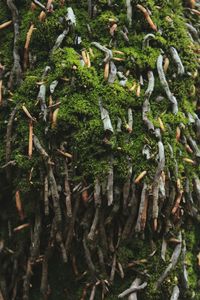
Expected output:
(165, 85)
(105, 118)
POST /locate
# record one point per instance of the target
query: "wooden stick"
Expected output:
(27, 113)
(140, 176)
(5, 25)
(26, 47)
(30, 141)
(147, 16)
(19, 206)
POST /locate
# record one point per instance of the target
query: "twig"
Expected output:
(42, 94)
(46, 196)
(165, 85)
(26, 47)
(146, 39)
(30, 140)
(147, 16)
(5, 25)
(141, 220)
(113, 73)
(174, 260)
(107, 51)
(60, 39)
(16, 72)
(129, 12)
(132, 290)
(135, 283)
(176, 58)
(175, 293)
(110, 183)
(9, 140)
(105, 118)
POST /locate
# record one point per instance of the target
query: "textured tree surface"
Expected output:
(99, 153)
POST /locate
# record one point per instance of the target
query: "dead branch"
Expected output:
(127, 186)
(135, 283)
(30, 143)
(55, 195)
(107, 51)
(5, 25)
(40, 5)
(165, 85)
(39, 148)
(16, 72)
(27, 278)
(110, 183)
(132, 290)
(88, 258)
(129, 12)
(147, 16)
(41, 97)
(177, 60)
(9, 141)
(105, 118)
(146, 104)
(113, 269)
(146, 40)
(70, 231)
(26, 47)
(141, 220)
(19, 206)
(155, 186)
(113, 73)
(46, 196)
(60, 39)
(173, 262)
(175, 293)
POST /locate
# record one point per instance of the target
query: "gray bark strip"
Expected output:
(172, 264)
(60, 39)
(146, 104)
(110, 182)
(104, 49)
(132, 290)
(113, 73)
(177, 60)
(129, 12)
(16, 72)
(147, 39)
(175, 293)
(165, 85)
(105, 118)
(135, 283)
(155, 186)
(41, 97)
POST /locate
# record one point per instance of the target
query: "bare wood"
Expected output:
(19, 206)
(9, 140)
(30, 140)
(165, 85)
(67, 190)
(26, 47)
(5, 25)
(147, 16)
(135, 283)
(16, 72)
(28, 114)
(46, 196)
(132, 290)
(110, 183)
(140, 176)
